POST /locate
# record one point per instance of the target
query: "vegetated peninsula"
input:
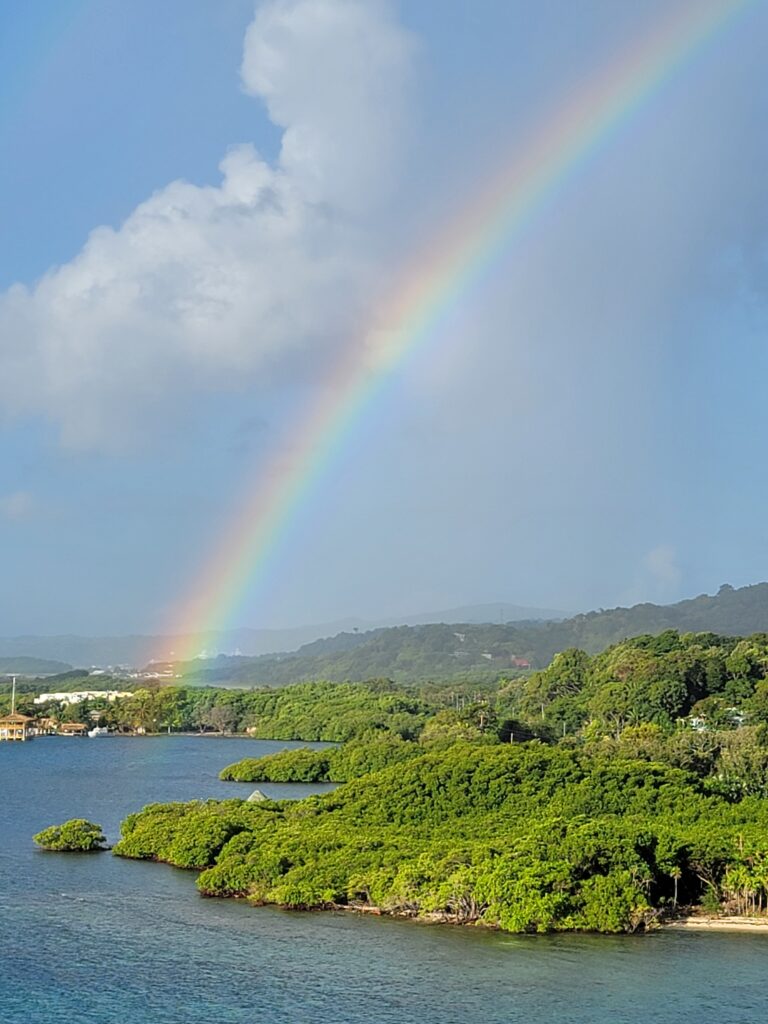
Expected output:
(605, 793)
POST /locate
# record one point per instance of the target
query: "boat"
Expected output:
(100, 730)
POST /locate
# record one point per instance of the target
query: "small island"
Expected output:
(75, 836)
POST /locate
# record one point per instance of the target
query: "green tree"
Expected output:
(75, 835)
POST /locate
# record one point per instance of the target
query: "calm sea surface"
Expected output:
(95, 938)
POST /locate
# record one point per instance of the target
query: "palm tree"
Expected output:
(675, 875)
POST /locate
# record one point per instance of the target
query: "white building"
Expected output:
(75, 696)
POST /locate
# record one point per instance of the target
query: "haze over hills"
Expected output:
(138, 650)
(22, 665)
(444, 651)
(499, 611)
(455, 643)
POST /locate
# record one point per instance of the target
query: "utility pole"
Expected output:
(13, 696)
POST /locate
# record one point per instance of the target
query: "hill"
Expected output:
(476, 652)
(29, 666)
(136, 650)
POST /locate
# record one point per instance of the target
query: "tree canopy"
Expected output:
(75, 836)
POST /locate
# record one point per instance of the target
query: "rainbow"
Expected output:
(427, 293)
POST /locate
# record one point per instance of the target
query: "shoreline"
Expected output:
(692, 922)
(717, 924)
(162, 734)
(747, 925)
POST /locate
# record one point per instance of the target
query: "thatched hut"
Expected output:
(73, 729)
(16, 727)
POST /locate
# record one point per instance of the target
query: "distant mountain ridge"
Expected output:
(136, 650)
(444, 651)
(352, 650)
(26, 666)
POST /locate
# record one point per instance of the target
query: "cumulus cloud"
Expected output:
(17, 505)
(206, 286)
(343, 119)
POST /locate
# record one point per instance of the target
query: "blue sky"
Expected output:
(590, 430)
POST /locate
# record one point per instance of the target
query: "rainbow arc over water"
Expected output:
(427, 292)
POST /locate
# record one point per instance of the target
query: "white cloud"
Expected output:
(207, 286)
(343, 119)
(17, 505)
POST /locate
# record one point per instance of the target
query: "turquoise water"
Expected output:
(94, 938)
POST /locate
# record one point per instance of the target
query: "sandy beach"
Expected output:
(720, 924)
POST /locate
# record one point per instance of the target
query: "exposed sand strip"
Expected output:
(720, 924)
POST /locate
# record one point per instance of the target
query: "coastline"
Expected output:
(748, 925)
(717, 924)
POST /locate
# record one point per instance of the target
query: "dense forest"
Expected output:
(349, 761)
(307, 711)
(606, 792)
(523, 837)
(483, 652)
(694, 684)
